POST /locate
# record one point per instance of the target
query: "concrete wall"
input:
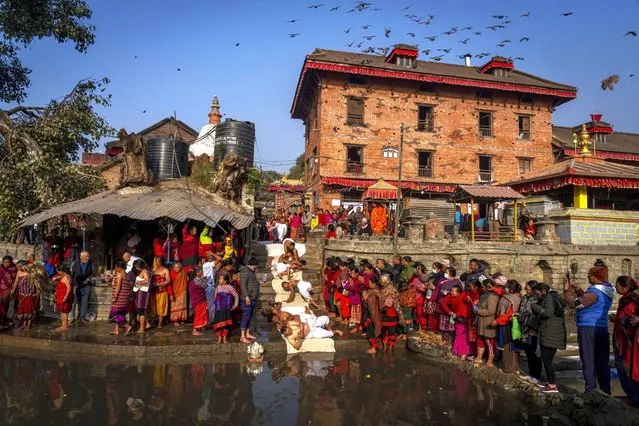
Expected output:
(522, 262)
(593, 226)
(18, 251)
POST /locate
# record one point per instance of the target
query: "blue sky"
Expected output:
(256, 80)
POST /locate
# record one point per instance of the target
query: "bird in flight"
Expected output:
(567, 14)
(431, 38)
(237, 44)
(524, 39)
(144, 112)
(609, 82)
(293, 35)
(437, 58)
(467, 28)
(347, 30)
(368, 37)
(631, 33)
(292, 21)
(525, 15)
(179, 69)
(426, 52)
(501, 45)
(335, 8)
(369, 50)
(464, 41)
(350, 44)
(315, 6)
(365, 27)
(406, 8)
(507, 41)
(477, 33)
(482, 55)
(444, 50)
(387, 32)
(519, 58)
(411, 34)
(361, 6)
(500, 16)
(383, 50)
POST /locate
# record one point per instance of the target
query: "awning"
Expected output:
(380, 191)
(363, 184)
(177, 200)
(484, 193)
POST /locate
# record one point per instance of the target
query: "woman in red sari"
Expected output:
(8, 272)
(27, 294)
(197, 289)
(63, 296)
(626, 328)
(190, 246)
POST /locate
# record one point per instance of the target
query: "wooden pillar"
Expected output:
(515, 220)
(472, 219)
(580, 193)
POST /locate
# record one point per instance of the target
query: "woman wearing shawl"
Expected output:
(8, 272)
(197, 289)
(27, 293)
(141, 290)
(373, 314)
(454, 305)
(530, 332)
(120, 298)
(485, 311)
(392, 314)
(430, 318)
(190, 246)
(445, 326)
(354, 288)
(179, 285)
(507, 307)
(226, 299)
(625, 336)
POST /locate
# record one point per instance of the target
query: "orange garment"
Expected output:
(379, 221)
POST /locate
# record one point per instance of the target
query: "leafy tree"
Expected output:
(22, 21)
(39, 144)
(297, 171)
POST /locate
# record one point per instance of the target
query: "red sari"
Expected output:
(625, 335)
(190, 245)
(7, 277)
(197, 289)
(61, 291)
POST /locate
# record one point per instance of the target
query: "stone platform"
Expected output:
(169, 343)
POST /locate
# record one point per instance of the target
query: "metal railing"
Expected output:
(425, 171)
(485, 176)
(485, 131)
(354, 167)
(425, 125)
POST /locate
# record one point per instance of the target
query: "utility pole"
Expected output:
(399, 188)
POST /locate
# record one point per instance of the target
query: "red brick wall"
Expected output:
(169, 129)
(455, 140)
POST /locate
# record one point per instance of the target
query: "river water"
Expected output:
(308, 389)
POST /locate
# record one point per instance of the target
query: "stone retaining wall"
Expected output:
(588, 226)
(548, 264)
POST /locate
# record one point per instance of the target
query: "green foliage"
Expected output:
(22, 21)
(259, 180)
(297, 171)
(38, 146)
(203, 174)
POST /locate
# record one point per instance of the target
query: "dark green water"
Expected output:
(303, 390)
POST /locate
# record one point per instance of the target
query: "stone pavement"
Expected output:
(93, 339)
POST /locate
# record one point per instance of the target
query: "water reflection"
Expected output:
(308, 389)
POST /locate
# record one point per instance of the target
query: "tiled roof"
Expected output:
(464, 192)
(615, 142)
(582, 166)
(435, 68)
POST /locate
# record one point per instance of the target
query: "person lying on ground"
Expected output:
(307, 326)
(305, 289)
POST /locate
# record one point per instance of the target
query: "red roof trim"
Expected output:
(605, 154)
(402, 52)
(365, 183)
(405, 75)
(554, 183)
(496, 64)
(599, 129)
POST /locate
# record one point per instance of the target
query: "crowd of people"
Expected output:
(484, 316)
(297, 222)
(191, 276)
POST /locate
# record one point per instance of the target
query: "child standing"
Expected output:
(408, 303)
(226, 299)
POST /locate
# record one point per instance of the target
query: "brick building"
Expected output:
(463, 124)
(110, 163)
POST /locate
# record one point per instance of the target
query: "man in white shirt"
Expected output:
(129, 259)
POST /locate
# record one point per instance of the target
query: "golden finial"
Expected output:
(584, 141)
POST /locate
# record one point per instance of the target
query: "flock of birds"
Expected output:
(464, 34)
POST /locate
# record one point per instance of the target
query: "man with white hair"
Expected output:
(82, 270)
(129, 259)
(364, 228)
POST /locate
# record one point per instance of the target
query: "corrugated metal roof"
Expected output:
(178, 200)
(491, 192)
(582, 166)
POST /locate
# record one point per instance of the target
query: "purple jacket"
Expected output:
(442, 289)
(354, 292)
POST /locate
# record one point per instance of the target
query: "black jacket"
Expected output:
(80, 275)
(249, 285)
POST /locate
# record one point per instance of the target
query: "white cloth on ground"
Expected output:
(304, 288)
(317, 326)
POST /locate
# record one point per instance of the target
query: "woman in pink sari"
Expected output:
(8, 271)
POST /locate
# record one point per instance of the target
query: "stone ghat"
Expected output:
(565, 408)
(547, 264)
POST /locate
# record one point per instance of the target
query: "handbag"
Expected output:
(515, 330)
(531, 322)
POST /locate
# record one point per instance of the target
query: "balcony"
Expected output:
(425, 125)
(425, 171)
(485, 176)
(354, 167)
(485, 131)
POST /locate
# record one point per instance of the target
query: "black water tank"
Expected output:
(168, 158)
(234, 136)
